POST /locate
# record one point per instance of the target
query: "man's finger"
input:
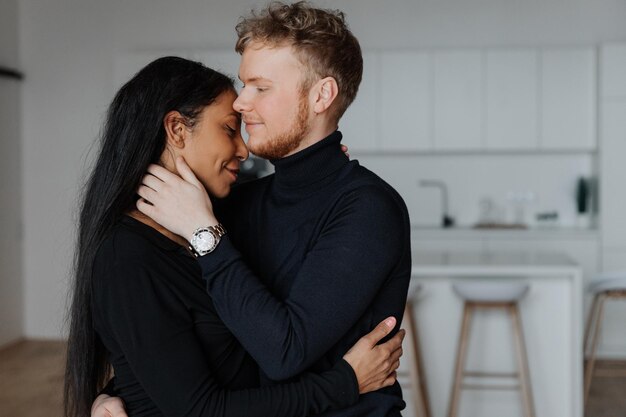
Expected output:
(383, 329)
(151, 181)
(145, 207)
(146, 193)
(185, 172)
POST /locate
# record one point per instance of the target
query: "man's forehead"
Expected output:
(267, 64)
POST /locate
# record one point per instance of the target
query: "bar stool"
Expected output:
(610, 286)
(419, 392)
(491, 295)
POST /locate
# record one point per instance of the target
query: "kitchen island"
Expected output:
(552, 323)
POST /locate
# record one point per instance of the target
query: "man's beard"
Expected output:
(278, 146)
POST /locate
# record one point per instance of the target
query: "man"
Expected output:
(318, 253)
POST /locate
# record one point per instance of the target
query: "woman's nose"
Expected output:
(242, 152)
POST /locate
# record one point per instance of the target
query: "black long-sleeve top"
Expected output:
(315, 256)
(171, 353)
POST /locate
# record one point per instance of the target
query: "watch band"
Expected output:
(218, 229)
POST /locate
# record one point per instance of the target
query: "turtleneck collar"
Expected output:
(311, 164)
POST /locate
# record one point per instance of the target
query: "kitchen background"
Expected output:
(509, 103)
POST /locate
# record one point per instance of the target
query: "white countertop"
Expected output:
(468, 232)
(460, 263)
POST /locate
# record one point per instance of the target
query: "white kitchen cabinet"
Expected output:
(406, 101)
(612, 190)
(458, 100)
(360, 123)
(612, 216)
(613, 173)
(613, 70)
(512, 91)
(568, 97)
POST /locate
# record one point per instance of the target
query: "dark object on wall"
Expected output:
(582, 195)
(10, 73)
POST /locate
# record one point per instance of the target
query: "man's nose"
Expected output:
(241, 104)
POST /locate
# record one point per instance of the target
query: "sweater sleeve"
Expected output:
(155, 333)
(365, 238)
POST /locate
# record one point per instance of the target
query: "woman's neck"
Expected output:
(139, 216)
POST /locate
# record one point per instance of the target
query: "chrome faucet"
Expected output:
(446, 219)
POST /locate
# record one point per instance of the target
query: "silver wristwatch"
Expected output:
(205, 239)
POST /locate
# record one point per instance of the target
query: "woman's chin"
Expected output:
(219, 192)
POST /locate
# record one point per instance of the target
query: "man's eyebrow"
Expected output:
(255, 79)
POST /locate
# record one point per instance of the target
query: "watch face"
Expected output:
(204, 241)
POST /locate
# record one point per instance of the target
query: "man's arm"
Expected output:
(374, 366)
(341, 275)
(334, 288)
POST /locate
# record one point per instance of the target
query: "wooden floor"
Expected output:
(31, 380)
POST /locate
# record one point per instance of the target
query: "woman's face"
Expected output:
(215, 146)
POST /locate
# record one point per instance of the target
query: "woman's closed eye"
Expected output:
(232, 131)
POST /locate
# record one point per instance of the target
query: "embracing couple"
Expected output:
(280, 297)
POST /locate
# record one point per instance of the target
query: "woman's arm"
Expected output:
(157, 338)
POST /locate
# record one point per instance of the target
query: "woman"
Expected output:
(138, 302)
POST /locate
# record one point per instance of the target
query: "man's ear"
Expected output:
(325, 92)
(176, 131)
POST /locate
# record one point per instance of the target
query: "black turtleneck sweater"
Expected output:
(315, 256)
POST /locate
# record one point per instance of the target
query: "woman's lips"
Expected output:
(233, 172)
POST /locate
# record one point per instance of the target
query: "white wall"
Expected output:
(69, 47)
(11, 294)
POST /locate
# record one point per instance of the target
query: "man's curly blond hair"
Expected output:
(320, 39)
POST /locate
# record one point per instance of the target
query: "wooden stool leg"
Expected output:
(468, 310)
(594, 345)
(590, 324)
(418, 380)
(522, 362)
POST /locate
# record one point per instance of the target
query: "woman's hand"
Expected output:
(375, 365)
(106, 406)
(181, 205)
(344, 149)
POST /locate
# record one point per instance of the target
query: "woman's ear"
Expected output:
(326, 91)
(176, 131)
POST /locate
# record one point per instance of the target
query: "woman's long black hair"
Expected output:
(133, 138)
